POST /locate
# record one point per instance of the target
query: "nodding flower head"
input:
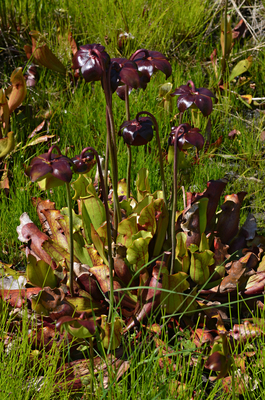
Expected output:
(55, 169)
(123, 72)
(186, 137)
(190, 96)
(92, 59)
(137, 132)
(84, 162)
(149, 62)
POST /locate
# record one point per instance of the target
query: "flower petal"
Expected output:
(39, 170)
(92, 70)
(61, 170)
(115, 79)
(80, 58)
(185, 101)
(163, 66)
(145, 66)
(128, 136)
(121, 92)
(141, 55)
(206, 92)
(129, 75)
(39, 159)
(204, 104)
(183, 89)
(90, 47)
(156, 55)
(194, 138)
(144, 80)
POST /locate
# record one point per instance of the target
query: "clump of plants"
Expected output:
(109, 262)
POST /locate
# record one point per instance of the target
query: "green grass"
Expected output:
(160, 26)
(25, 372)
(162, 365)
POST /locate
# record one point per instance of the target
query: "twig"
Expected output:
(184, 197)
(247, 24)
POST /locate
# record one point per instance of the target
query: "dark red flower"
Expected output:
(84, 162)
(187, 137)
(121, 91)
(189, 96)
(123, 72)
(93, 60)
(149, 62)
(144, 80)
(55, 168)
(137, 132)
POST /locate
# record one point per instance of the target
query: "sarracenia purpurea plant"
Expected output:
(109, 253)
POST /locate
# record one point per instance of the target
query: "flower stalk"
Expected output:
(129, 167)
(175, 198)
(105, 201)
(129, 150)
(159, 151)
(111, 150)
(71, 244)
